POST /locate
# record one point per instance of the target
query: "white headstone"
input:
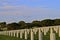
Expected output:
(11, 33)
(17, 33)
(14, 34)
(25, 34)
(59, 31)
(46, 29)
(32, 35)
(52, 35)
(56, 29)
(21, 34)
(35, 31)
(40, 35)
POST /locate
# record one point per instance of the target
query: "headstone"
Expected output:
(21, 34)
(17, 33)
(46, 30)
(40, 35)
(56, 29)
(59, 31)
(52, 35)
(11, 33)
(32, 36)
(14, 34)
(35, 31)
(25, 34)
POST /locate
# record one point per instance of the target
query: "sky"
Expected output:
(28, 10)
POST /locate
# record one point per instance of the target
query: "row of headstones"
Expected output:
(33, 31)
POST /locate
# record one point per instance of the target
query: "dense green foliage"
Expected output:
(24, 25)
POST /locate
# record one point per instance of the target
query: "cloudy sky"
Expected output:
(28, 10)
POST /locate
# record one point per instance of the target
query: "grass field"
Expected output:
(45, 37)
(9, 38)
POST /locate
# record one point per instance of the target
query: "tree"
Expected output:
(47, 22)
(3, 26)
(36, 24)
(13, 26)
(22, 25)
(29, 25)
(57, 22)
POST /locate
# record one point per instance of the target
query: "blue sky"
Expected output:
(28, 10)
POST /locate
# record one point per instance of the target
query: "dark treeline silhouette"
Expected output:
(33, 24)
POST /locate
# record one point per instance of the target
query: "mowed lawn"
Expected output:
(45, 37)
(9, 38)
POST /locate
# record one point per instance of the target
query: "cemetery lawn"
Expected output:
(45, 37)
(9, 38)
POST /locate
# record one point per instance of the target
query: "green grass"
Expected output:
(45, 37)
(9, 38)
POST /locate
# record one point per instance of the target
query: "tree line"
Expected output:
(33, 24)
